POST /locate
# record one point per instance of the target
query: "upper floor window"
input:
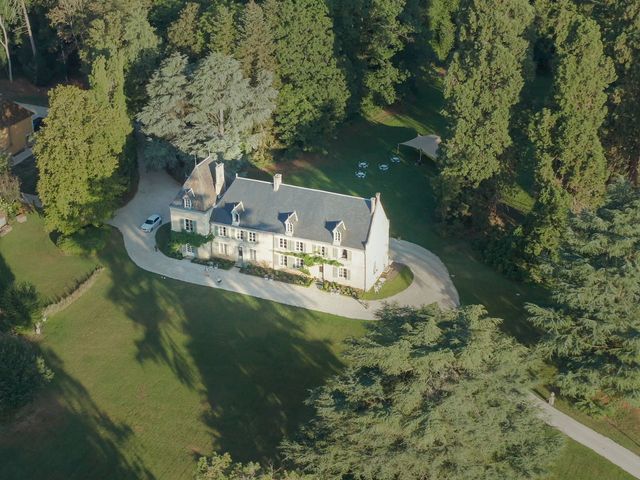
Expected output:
(345, 254)
(282, 243)
(299, 247)
(240, 234)
(337, 237)
(252, 237)
(320, 250)
(189, 225)
(222, 231)
(186, 201)
(289, 228)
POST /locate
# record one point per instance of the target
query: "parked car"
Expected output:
(150, 223)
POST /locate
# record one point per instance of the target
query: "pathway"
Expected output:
(156, 190)
(616, 454)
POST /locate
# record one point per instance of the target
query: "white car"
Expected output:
(150, 223)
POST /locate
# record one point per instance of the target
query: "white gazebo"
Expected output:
(427, 144)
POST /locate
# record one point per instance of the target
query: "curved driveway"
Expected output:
(156, 189)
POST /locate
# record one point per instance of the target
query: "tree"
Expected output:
(482, 86)
(22, 371)
(592, 326)
(219, 26)
(442, 26)
(221, 467)
(570, 161)
(372, 35)
(313, 94)
(184, 34)
(8, 16)
(20, 307)
(209, 107)
(428, 394)
(256, 49)
(79, 151)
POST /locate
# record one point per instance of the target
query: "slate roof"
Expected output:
(318, 211)
(200, 187)
(12, 113)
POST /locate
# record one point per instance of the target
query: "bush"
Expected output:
(223, 263)
(163, 240)
(22, 372)
(20, 305)
(341, 289)
(88, 241)
(280, 275)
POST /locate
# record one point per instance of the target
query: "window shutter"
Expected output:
(348, 274)
(335, 272)
(335, 253)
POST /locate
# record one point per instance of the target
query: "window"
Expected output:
(343, 273)
(320, 250)
(235, 218)
(253, 255)
(189, 225)
(282, 243)
(288, 228)
(223, 249)
(337, 236)
(240, 234)
(252, 237)
(222, 231)
(283, 260)
(299, 247)
(345, 254)
(188, 249)
(187, 202)
(298, 263)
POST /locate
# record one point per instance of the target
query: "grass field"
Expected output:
(580, 463)
(395, 285)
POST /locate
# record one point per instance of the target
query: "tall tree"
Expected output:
(481, 88)
(184, 33)
(592, 327)
(219, 25)
(8, 17)
(372, 33)
(313, 93)
(208, 107)
(256, 49)
(428, 394)
(221, 467)
(79, 151)
(571, 166)
(442, 26)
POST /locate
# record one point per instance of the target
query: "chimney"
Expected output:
(375, 201)
(219, 178)
(277, 181)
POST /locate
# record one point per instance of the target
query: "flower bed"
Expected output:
(280, 275)
(219, 262)
(341, 289)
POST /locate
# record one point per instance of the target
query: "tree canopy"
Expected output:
(428, 394)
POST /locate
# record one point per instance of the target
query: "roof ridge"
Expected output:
(306, 188)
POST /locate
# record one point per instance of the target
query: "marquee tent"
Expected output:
(427, 144)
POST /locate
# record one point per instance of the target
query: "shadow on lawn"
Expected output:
(42, 440)
(251, 360)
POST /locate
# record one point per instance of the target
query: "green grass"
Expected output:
(392, 287)
(579, 463)
(28, 254)
(151, 373)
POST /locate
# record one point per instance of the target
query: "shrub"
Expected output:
(223, 263)
(20, 305)
(280, 275)
(341, 289)
(88, 241)
(22, 371)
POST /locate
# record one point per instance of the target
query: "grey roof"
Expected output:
(318, 212)
(200, 187)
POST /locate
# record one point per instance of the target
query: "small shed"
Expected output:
(15, 126)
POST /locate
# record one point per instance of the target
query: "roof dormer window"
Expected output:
(289, 222)
(235, 218)
(186, 201)
(337, 233)
(289, 228)
(337, 237)
(235, 214)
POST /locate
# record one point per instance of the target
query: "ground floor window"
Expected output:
(188, 249)
(343, 273)
(189, 225)
(253, 255)
(298, 263)
(223, 249)
(283, 260)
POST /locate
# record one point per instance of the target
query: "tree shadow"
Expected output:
(42, 440)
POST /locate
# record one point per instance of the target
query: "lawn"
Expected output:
(28, 254)
(580, 463)
(400, 281)
(151, 373)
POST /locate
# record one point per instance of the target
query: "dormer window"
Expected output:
(289, 228)
(338, 232)
(337, 237)
(235, 214)
(289, 222)
(186, 201)
(236, 218)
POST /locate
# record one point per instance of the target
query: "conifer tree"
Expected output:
(428, 394)
(442, 27)
(184, 33)
(313, 93)
(592, 327)
(256, 49)
(482, 86)
(219, 26)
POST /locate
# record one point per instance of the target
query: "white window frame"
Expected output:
(189, 225)
(343, 273)
(298, 262)
(222, 231)
(288, 228)
(223, 249)
(235, 218)
(321, 250)
(187, 203)
(299, 246)
(188, 249)
(337, 237)
(283, 243)
(283, 261)
(240, 234)
(252, 237)
(253, 254)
